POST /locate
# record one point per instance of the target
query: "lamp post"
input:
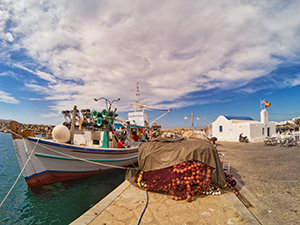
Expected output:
(193, 126)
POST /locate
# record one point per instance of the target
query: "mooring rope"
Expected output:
(12, 187)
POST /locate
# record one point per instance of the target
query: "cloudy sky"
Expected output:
(207, 57)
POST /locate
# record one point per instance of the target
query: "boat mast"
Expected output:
(139, 104)
(140, 108)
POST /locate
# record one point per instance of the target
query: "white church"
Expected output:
(229, 128)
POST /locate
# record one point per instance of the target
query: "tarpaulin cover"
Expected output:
(165, 152)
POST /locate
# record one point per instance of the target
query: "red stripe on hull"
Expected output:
(52, 177)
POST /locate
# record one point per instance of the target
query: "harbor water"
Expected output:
(58, 203)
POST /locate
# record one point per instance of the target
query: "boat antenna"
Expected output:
(107, 102)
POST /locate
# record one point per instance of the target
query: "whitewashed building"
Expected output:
(229, 128)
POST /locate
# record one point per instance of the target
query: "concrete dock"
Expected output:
(126, 203)
(268, 195)
(269, 176)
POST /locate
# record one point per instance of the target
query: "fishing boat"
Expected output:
(87, 143)
(77, 149)
(50, 161)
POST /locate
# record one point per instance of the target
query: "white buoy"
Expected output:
(61, 134)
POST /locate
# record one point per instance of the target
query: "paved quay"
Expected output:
(268, 181)
(126, 203)
(269, 177)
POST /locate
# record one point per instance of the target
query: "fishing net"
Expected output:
(183, 180)
(182, 168)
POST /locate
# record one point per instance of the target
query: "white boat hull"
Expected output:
(52, 162)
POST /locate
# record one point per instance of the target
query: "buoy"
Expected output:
(61, 134)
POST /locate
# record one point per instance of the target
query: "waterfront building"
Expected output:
(229, 128)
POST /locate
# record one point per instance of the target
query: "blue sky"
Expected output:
(206, 57)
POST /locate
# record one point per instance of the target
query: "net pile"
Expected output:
(182, 181)
(231, 182)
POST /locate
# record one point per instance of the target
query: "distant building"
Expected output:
(229, 128)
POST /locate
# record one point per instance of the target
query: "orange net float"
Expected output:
(182, 181)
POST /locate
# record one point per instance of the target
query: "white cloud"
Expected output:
(9, 37)
(40, 74)
(172, 48)
(6, 98)
(36, 99)
(291, 82)
(7, 73)
(37, 88)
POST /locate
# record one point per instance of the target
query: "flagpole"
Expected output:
(260, 104)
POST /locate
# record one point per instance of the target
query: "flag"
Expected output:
(267, 104)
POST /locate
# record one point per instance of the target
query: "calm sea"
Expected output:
(58, 203)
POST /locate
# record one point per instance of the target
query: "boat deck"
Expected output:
(126, 203)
